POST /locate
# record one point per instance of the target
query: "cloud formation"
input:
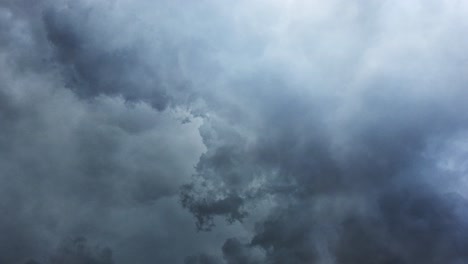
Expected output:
(322, 131)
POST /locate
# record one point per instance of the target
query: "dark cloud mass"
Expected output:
(247, 132)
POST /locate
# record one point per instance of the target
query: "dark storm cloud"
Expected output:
(78, 251)
(327, 149)
(324, 132)
(412, 227)
(201, 259)
(235, 252)
(72, 167)
(95, 67)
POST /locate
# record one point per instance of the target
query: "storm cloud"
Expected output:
(214, 132)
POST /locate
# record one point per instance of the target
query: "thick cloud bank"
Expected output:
(246, 132)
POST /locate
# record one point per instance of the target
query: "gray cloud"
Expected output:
(201, 259)
(95, 68)
(78, 251)
(323, 132)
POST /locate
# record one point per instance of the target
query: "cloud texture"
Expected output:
(248, 132)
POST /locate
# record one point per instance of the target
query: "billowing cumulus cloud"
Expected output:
(252, 132)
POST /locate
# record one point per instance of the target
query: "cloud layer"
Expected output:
(321, 131)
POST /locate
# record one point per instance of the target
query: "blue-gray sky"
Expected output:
(233, 132)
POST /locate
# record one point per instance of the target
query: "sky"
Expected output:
(233, 132)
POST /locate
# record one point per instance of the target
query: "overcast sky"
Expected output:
(233, 132)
